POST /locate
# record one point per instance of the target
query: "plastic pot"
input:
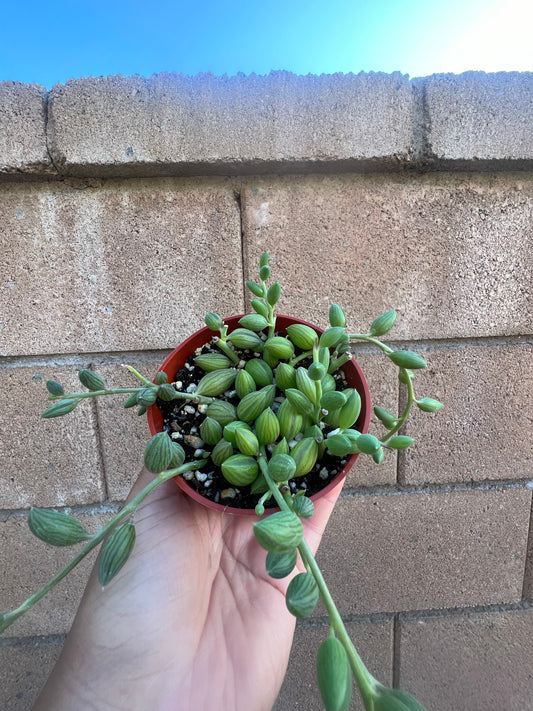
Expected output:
(177, 359)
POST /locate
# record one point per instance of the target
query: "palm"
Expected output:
(192, 621)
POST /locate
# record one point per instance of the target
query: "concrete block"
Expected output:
(480, 118)
(28, 563)
(453, 256)
(25, 669)
(485, 429)
(373, 641)
(123, 434)
(23, 151)
(171, 124)
(125, 266)
(475, 662)
(424, 551)
(46, 462)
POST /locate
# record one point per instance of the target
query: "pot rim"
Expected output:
(176, 359)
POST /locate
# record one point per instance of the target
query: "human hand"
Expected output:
(191, 623)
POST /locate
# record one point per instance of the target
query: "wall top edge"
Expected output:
(120, 125)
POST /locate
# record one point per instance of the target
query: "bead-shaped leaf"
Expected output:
(161, 377)
(305, 384)
(331, 337)
(244, 383)
(267, 427)
(383, 323)
(213, 322)
(54, 388)
(158, 453)
(316, 371)
(56, 528)
(60, 408)
(350, 410)
(244, 338)
(368, 444)
(165, 392)
(260, 307)
(147, 396)
(239, 469)
(407, 359)
(253, 322)
(279, 347)
(302, 336)
(279, 565)
(91, 380)
(256, 289)
(222, 411)
(211, 431)
(260, 371)
(115, 552)
(246, 442)
(302, 595)
(396, 700)
(217, 382)
(303, 506)
(273, 294)
(334, 675)
(178, 455)
(281, 467)
(280, 532)
(429, 404)
(212, 361)
(305, 454)
(386, 417)
(400, 442)
(221, 452)
(299, 401)
(285, 376)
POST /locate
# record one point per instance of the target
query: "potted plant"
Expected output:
(255, 415)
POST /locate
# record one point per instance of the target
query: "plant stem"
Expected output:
(8, 618)
(96, 393)
(225, 348)
(366, 683)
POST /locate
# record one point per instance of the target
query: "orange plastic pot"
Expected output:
(178, 357)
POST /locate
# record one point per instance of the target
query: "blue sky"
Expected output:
(50, 42)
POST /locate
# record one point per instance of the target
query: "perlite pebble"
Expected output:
(323, 473)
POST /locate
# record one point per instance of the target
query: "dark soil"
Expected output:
(182, 419)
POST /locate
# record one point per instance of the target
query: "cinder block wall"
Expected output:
(131, 206)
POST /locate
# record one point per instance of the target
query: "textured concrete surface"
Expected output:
(28, 563)
(486, 427)
(173, 124)
(373, 641)
(23, 149)
(123, 434)
(475, 662)
(476, 116)
(25, 669)
(118, 267)
(453, 255)
(423, 551)
(46, 462)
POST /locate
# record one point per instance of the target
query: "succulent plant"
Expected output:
(270, 407)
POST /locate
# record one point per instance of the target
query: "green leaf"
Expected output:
(253, 322)
(302, 595)
(260, 307)
(331, 337)
(386, 417)
(400, 442)
(303, 506)
(274, 293)
(115, 552)
(244, 338)
(158, 453)
(428, 404)
(263, 260)
(302, 336)
(239, 469)
(281, 467)
(280, 532)
(147, 396)
(334, 675)
(212, 361)
(350, 411)
(166, 392)
(91, 380)
(54, 388)
(337, 316)
(217, 382)
(131, 401)
(55, 528)
(407, 359)
(264, 272)
(60, 408)
(214, 322)
(316, 371)
(368, 444)
(161, 377)
(383, 323)
(396, 700)
(279, 565)
(256, 289)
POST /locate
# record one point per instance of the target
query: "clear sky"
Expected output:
(50, 41)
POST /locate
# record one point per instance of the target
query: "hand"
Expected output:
(191, 623)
